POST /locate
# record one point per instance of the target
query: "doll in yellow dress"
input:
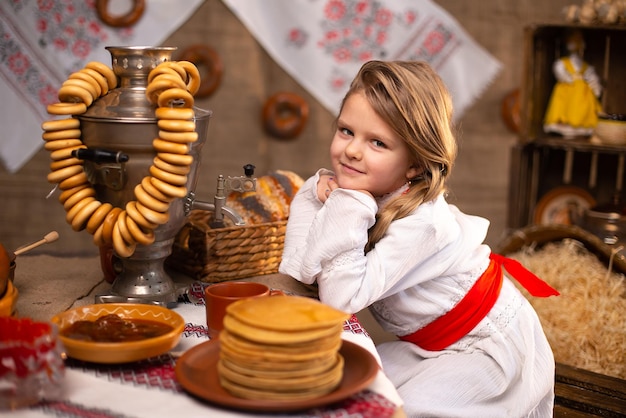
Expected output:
(573, 107)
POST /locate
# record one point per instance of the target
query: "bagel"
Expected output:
(99, 78)
(66, 194)
(80, 220)
(92, 87)
(105, 71)
(168, 189)
(177, 113)
(75, 94)
(61, 174)
(69, 216)
(159, 86)
(170, 178)
(153, 216)
(66, 162)
(61, 134)
(171, 168)
(207, 58)
(60, 124)
(150, 201)
(169, 70)
(122, 21)
(193, 76)
(131, 210)
(74, 181)
(81, 192)
(173, 125)
(60, 144)
(170, 147)
(121, 225)
(182, 72)
(175, 97)
(65, 108)
(153, 191)
(178, 137)
(108, 224)
(86, 78)
(64, 153)
(285, 115)
(175, 158)
(122, 248)
(142, 237)
(97, 218)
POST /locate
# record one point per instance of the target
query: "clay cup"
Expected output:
(218, 296)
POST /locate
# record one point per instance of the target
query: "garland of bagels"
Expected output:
(171, 86)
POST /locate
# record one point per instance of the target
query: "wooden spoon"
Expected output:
(50, 237)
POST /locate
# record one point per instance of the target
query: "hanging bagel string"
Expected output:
(171, 86)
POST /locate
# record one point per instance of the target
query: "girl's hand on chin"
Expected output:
(325, 186)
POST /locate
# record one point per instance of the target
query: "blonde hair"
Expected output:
(413, 100)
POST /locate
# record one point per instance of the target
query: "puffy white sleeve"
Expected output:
(302, 211)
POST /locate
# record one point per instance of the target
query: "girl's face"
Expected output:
(366, 154)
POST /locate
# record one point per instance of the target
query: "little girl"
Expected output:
(377, 232)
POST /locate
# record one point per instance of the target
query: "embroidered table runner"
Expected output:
(149, 388)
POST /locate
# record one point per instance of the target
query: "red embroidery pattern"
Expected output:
(354, 326)
(196, 291)
(366, 404)
(195, 330)
(67, 27)
(356, 31)
(74, 410)
(437, 45)
(156, 372)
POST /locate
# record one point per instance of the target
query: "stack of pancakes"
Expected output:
(281, 348)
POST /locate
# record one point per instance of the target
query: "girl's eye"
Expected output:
(345, 131)
(378, 143)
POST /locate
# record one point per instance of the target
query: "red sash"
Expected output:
(465, 315)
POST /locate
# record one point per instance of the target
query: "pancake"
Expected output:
(281, 348)
(287, 313)
(268, 336)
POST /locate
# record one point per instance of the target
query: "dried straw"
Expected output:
(586, 325)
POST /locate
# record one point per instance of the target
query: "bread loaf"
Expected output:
(271, 200)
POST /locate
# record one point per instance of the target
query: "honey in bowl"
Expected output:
(123, 351)
(112, 328)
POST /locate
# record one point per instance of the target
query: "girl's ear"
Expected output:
(412, 172)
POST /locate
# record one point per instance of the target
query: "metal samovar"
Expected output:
(118, 130)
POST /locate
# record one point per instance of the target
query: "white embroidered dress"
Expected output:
(423, 266)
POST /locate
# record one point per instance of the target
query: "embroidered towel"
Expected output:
(322, 43)
(42, 42)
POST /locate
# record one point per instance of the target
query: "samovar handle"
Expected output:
(100, 155)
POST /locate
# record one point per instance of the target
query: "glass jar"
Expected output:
(31, 362)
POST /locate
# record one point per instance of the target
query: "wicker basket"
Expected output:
(229, 253)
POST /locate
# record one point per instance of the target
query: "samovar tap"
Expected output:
(245, 183)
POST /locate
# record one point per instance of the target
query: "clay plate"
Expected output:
(98, 352)
(196, 372)
(557, 206)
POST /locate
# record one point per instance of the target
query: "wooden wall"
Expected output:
(479, 184)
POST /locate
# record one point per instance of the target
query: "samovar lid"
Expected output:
(128, 102)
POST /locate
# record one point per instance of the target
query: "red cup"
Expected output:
(218, 296)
